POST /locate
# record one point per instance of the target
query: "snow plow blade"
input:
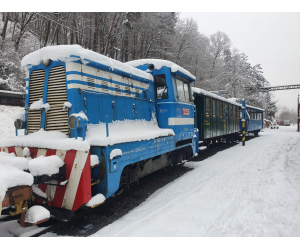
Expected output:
(17, 196)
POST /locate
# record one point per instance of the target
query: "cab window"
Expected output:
(161, 87)
(183, 91)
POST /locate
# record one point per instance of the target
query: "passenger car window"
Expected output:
(207, 107)
(221, 109)
(161, 87)
(214, 108)
(226, 110)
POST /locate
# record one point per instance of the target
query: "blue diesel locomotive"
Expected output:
(111, 123)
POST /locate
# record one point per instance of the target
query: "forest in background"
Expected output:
(127, 36)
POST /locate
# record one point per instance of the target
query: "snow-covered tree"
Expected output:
(269, 106)
(129, 36)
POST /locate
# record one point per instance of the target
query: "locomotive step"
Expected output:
(95, 182)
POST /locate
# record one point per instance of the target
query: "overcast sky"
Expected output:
(269, 39)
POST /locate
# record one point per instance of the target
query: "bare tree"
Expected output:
(219, 42)
(24, 20)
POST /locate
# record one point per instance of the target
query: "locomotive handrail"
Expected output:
(83, 125)
(97, 93)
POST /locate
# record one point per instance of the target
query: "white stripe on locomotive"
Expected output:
(108, 78)
(72, 186)
(51, 189)
(174, 121)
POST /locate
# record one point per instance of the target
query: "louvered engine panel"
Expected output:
(57, 117)
(36, 89)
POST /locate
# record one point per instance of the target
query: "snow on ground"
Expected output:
(7, 113)
(242, 191)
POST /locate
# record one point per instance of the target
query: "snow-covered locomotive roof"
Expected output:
(68, 53)
(159, 63)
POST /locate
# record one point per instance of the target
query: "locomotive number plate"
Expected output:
(185, 112)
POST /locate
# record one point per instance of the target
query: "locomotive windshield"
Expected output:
(183, 89)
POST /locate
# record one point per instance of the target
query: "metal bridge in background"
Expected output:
(273, 88)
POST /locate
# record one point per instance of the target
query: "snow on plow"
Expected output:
(17, 176)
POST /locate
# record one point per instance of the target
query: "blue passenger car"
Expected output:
(254, 118)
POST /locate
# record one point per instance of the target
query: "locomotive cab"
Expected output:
(173, 98)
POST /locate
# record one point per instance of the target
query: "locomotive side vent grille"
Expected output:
(36, 89)
(91, 81)
(118, 89)
(127, 90)
(104, 85)
(57, 117)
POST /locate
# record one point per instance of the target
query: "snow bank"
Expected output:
(45, 165)
(7, 118)
(124, 131)
(12, 229)
(63, 53)
(20, 115)
(11, 159)
(10, 176)
(26, 152)
(96, 200)
(80, 114)
(94, 160)
(158, 64)
(46, 139)
(114, 153)
(67, 105)
(39, 105)
(12, 170)
(36, 213)
(39, 192)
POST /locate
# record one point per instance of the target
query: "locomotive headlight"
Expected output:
(19, 124)
(72, 122)
(46, 62)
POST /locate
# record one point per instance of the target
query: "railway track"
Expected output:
(87, 222)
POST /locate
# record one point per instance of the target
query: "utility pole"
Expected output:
(298, 113)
